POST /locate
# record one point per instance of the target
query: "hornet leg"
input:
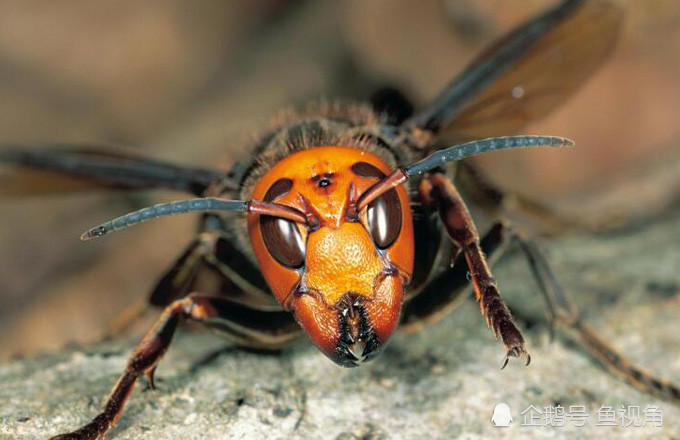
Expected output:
(562, 313)
(144, 361)
(463, 233)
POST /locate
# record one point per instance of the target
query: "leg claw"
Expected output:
(516, 352)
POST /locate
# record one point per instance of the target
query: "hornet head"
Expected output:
(343, 272)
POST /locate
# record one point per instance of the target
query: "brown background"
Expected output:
(191, 81)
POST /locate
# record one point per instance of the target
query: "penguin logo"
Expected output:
(501, 415)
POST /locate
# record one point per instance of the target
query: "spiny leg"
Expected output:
(445, 291)
(257, 329)
(566, 315)
(463, 233)
(144, 360)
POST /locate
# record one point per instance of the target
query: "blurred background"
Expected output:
(191, 82)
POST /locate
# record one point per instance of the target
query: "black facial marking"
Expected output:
(323, 180)
(278, 189)
(364, 169)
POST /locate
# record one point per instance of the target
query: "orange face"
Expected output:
(343, 273)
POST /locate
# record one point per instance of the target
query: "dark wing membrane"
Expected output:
(180, 279)
(527, 73)
(58, 169)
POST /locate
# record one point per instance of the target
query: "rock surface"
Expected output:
(441, 382)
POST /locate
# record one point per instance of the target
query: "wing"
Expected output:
(525, 74)
(59, 168)
(180, 278)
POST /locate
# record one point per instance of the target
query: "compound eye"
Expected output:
(384, 213)
(283, 240)
(384, 219)
(282, 237)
